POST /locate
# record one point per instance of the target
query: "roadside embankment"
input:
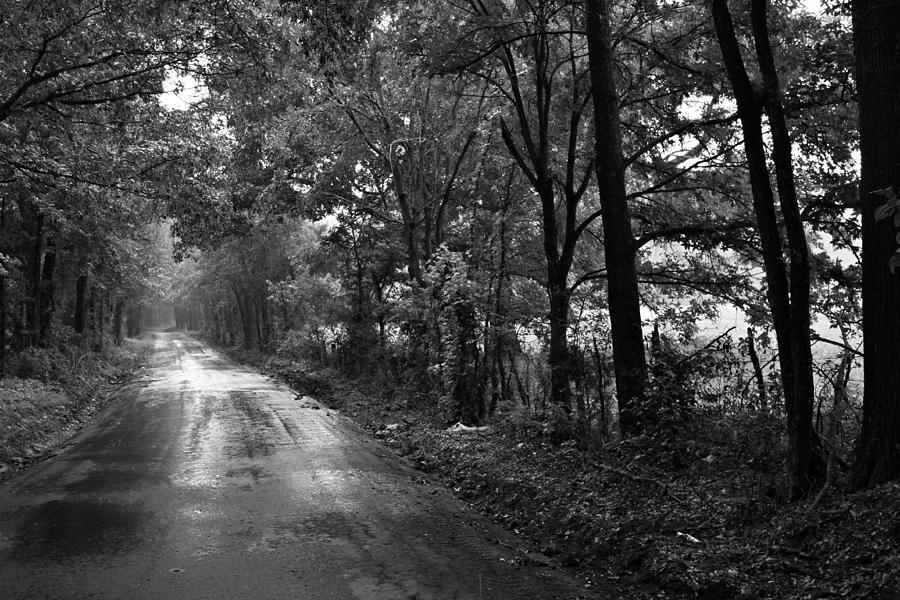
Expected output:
(53, 395)
(688, 512)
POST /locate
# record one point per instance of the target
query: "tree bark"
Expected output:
(98, 312)
(876, 24)
(498, 320)
(2, 326)
(248, 319)
(601, 392)
(467, 397)
(34, 311)
(788, 298)
(536, 163)
(48, 301)
(808, 467)
(623, 296)
(3, 313)
(81, 303)
(118, 317)
(134, 320)
(559, 359)
(757, 370)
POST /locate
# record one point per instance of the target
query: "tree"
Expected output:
(787, 277)
(618, 239)
(877, 49)
(531, 56)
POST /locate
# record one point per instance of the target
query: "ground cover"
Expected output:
(694, 515)
(55, 396)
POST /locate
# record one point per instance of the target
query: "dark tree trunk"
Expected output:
(2, 326)
(788, 298)
(410, 226)
(559, 359)
(877, 46)
(498, 323)
(98, 318)
(3, 313)
(21, 319)
(601, 392)
(656, 357)
(624, 299)
(34, 311)
(118, 317)
(230, 328)
(265, 320)
(48, 301)
(757, 370)
(248, 320)
(807, 468)
(81, 288)
(559, 236)
(134, 320)
(466, 395)
(213, 314)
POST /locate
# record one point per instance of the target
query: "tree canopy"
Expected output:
(492, 204)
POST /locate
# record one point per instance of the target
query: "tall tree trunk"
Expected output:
(34, 311)
(877, 47)
(499, 384)
(265, 320)
(81, 303)
(98, 318)
(2, 325)
(629, 359)
(410, 222)
(134, 320)
(3, 313)
(788, 299)
(601, 391)
(559, 359)
(118, 318)
(466, 394)
(808, 467)
(48, 302)
(248, 320)
(757, 370)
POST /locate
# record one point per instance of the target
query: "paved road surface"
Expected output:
(215, 482)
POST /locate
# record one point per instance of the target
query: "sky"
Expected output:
(181, 91)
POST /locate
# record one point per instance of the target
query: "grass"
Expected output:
(59, 395)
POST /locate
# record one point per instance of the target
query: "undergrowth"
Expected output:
(688, 512)
(52, 394)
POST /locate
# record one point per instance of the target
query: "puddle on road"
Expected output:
(108, 480)
(65, 529)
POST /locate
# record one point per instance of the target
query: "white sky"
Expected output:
(182, 91)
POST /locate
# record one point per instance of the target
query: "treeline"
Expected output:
(511, 189)
(60, 284)
(483, 204)
(91, 163)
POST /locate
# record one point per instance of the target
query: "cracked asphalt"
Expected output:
(213, 481)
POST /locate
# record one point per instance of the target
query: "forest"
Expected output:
(648, 242)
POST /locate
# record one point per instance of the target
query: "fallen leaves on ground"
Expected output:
(688, 515)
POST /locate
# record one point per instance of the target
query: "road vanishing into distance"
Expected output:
(214, 481)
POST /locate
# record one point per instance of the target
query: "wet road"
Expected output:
(215, 482)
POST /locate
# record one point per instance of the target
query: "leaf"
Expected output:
(885, 210)
(894, 262)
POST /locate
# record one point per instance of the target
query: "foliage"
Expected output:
(57, 392)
